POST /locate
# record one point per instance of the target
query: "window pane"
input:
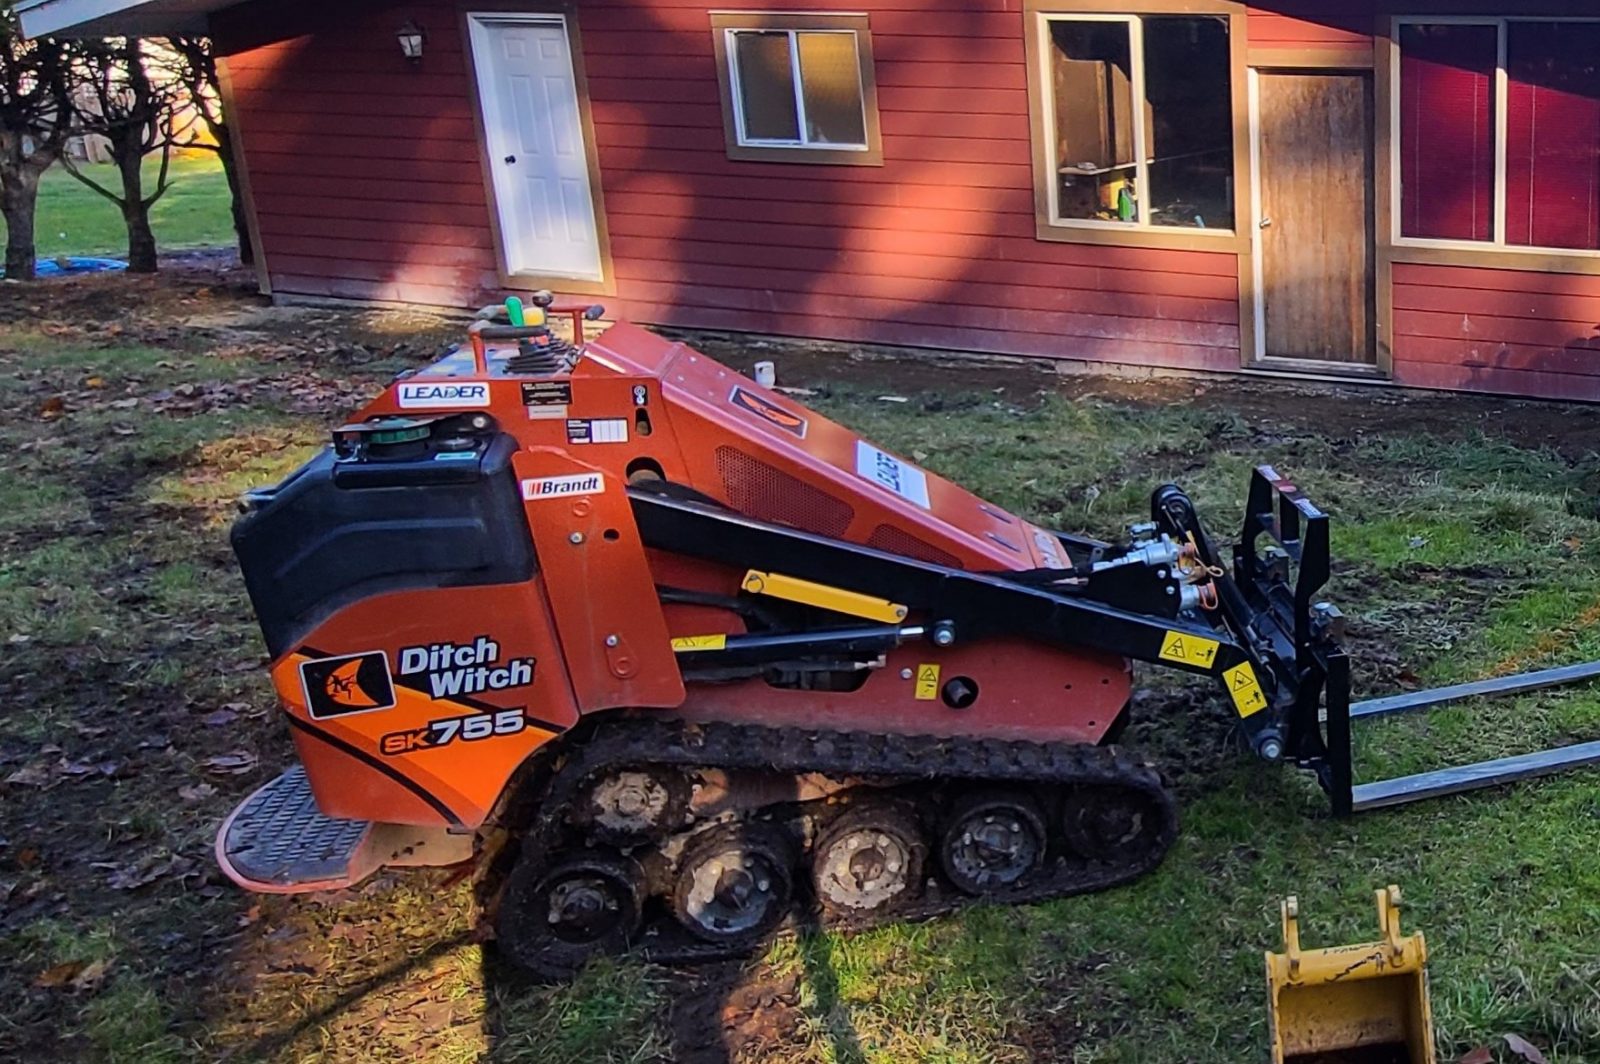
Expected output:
(1092, 82)
(830, 81)
(1188, 89)
(1447, 131)
(1553, 135)
(766, 86)
(1092, 69)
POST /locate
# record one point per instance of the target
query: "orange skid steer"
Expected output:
(679, 662)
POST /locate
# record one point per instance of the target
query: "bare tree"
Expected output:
(35, 121)
(116, 98)
(193, 66)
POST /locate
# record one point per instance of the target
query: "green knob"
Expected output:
(514, 311)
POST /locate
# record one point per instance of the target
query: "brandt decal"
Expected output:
(535, 488)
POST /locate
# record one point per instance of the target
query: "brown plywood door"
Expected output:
(1316, 217)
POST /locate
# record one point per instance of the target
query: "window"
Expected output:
(1138, 120)
(1500, 132)
(798, 87)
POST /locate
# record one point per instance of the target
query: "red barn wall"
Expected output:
(367, 184)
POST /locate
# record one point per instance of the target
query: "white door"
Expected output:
(536, 151)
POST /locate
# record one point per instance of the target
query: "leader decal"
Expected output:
(451, 670)
(768, 411)
(435, 395)
(350, 683)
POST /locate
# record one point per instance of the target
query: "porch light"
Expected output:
(411, 38)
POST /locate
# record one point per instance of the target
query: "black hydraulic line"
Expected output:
(1407, 789)
(1499, 686)
(751, 649)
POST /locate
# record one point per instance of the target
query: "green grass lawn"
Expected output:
(124, 625)
(75, 220)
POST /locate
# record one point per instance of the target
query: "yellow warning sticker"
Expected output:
(1188, 649)
(927, 683)
(1245, 689)
(699, 642)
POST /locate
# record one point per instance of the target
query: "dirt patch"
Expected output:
(733, 1012)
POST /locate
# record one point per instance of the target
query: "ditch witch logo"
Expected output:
(450, 670)
(351, 683)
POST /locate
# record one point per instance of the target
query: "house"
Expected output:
(1403, 190)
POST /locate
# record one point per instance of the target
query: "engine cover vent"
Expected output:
(759, 490)
(898, 541)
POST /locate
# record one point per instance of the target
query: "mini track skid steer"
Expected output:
(679, 661)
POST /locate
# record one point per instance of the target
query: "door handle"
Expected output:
(1265, 223)
(511, 159)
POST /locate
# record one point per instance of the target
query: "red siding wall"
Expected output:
(367, 184)
(1497, 331)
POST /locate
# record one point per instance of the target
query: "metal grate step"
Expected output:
(280, 837)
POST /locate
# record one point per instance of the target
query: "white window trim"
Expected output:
(1502, 95)
(804, 143)
(1047, 99)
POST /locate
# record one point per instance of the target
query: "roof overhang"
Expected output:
(115, 18)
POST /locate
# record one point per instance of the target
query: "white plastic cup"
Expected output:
(766, 374)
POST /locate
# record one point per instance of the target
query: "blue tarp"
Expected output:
(72, 264)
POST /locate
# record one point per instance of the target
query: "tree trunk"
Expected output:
(141, 239)
(18, 198)
(230, 170)
(135, 212)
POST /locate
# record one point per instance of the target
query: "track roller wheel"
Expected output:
(991, 840)
(1101, 823)
(868, 859)
(554, 916)
(734, 884)
(633, 806)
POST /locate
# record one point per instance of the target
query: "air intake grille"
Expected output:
(758, 490)
(895, 541)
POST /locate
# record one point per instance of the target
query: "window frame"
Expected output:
(724, 24)
(1041, 108)
(1495, 251)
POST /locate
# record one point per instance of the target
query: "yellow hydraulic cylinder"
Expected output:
(1365, 1004)
(827, 597)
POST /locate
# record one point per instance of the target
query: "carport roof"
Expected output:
(101, 18)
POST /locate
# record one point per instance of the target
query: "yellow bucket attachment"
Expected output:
(1364, 1004)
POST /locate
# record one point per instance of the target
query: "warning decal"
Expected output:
(699, 642)
(887, 471)
(1189, 649)
(927, 683)
(1245, 689)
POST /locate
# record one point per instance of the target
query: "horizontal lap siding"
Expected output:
(1497, 330)
(368, 185)
(1312, 24)
(364, 170)
(935, 248)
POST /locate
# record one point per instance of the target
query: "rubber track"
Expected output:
(892, 759)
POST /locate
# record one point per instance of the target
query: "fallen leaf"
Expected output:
(1525, 1049)
(59, 974)
(220, 718)
(232, 764)
(52, 407)
(124, 404)
(34, 775)
(94, 382)
(1481, 1055)
(93, 974)
(198, 792)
